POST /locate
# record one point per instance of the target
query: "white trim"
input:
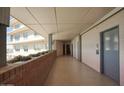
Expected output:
(103, 19)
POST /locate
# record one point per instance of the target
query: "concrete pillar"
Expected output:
(2, 45)
(50, 41)
(4, 22)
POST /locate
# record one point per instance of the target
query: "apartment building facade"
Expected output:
(23, 41)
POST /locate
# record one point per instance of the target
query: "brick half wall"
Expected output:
(32, 73)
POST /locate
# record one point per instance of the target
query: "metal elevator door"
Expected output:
(111, 53)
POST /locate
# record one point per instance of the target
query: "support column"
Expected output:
(4, 22)
(2, 45)
(50, 42)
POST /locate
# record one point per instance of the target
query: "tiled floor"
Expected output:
(69, 71)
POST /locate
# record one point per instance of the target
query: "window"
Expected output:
(25, 35)
(17, 26)
(11, 37)
(17, 37)
(9, 50)
(9, 29)
(42, 46)
(11, 17)
(35, 33)
(17, 48)
(45, 46)
(116, 43)
(25, 47)
(37, 47)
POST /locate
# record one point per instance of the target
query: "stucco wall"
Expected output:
(92, 38)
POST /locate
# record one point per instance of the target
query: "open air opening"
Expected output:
(23, 43)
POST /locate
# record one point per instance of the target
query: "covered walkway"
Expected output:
(69, 71)
(94, 35)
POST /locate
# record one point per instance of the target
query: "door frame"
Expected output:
(71, 49)
(102, 51)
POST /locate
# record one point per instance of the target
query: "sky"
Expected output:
(9, 29)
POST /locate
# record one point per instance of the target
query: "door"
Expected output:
(111, 53)
(68, 49)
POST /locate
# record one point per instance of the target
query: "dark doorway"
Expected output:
(63, 49)
(68, 51)
(110, 53)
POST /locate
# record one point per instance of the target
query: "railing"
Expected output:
(32, 72)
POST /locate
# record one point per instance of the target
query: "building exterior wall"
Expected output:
(31, 49)
(26, 39)
(91, 39)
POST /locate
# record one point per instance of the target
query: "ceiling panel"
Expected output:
(50, 28)
(43, 15)
(23, 15)
(71, 15)
(95, 14)
(38, 29)
(69, 27)
(70, 21)
(65, 35)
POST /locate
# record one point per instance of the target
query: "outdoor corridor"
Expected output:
(69, 71)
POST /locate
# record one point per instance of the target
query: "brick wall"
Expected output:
(33, 72)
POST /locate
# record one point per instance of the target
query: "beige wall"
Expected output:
(75, 43)
(92, 38)
(58, 46)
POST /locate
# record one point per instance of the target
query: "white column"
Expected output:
(50, 41)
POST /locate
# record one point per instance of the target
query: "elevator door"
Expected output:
(111, 53)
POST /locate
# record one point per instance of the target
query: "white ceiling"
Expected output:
(64, 23)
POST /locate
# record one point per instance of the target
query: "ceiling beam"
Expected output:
(56, 19)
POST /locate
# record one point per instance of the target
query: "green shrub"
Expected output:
(35, 55)
(19, 58)
(11, 61)
(24, 58)
(44, 52)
